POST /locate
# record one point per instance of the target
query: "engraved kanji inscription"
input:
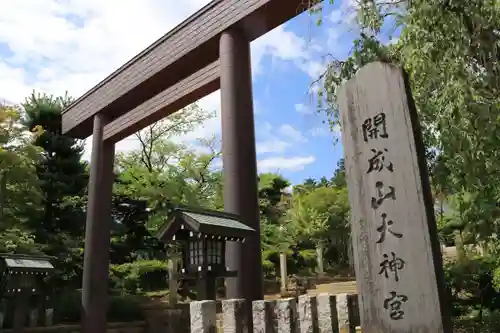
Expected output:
(378, 162)
(386, 227)
(391, 265)
(375, 128)
(394, 304)
(382, 195)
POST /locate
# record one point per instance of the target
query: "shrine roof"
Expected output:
(204, 221)
(26, 262)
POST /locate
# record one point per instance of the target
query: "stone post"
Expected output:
(33, 318)
(49, 316)
(264, 316)
(345, 313)
(380, 122)
(319, 256)
(233, 316)
(327, 314)
(203, 317)
(308, 314)
(286, 315)
(459, 245)
(172, 281)
(283, 273)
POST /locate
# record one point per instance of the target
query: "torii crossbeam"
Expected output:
(208, 51)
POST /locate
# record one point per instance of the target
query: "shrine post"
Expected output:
(397, 256)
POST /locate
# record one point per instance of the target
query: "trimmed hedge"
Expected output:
(138, 277)
(67, 308)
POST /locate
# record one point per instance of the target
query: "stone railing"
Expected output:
(322, 313)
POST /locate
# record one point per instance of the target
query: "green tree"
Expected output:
(20, 195)
(130, 237)
(338, 180)
(308, 185)
(63, 178)
(159, 136)
(321, 218)
(188, 178)
(450, 50)
(166, 173)
(272, 197)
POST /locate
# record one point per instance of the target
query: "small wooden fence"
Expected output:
(322, 313)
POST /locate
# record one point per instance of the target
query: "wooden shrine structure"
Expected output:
(393, 225)
(208, 51)
(203, 236)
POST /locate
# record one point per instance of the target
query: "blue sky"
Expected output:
(282, 91)
(56, 46)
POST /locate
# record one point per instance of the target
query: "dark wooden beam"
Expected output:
(240, 164)
(167, 102)
(185, 50)
(97, 232)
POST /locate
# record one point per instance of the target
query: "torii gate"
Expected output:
(208, 51)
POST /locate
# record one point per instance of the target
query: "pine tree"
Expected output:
(63, 178)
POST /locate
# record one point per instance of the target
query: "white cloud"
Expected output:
(292, 133)
(272, 146)
(279, 44)
(286, 47)
(278, 164)
(319, 132)
(346, 12)
(303, 109)
(280, 140)
(54, 46)
(275, 164)
(336, 16)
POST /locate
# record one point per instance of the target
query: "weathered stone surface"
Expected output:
(378, 118)
(173, 284)
(49, 316)
(344, 313)
(308, 315)
(286, 315)
(234, 316)
(327, 314)
(203, 319)
(283, 273)
(264, 316)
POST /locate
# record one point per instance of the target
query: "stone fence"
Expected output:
(129, 327)
(311, 314)
(322, 313)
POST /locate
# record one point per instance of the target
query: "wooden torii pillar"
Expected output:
(239, 162)
(97, 233)
(240, 188)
